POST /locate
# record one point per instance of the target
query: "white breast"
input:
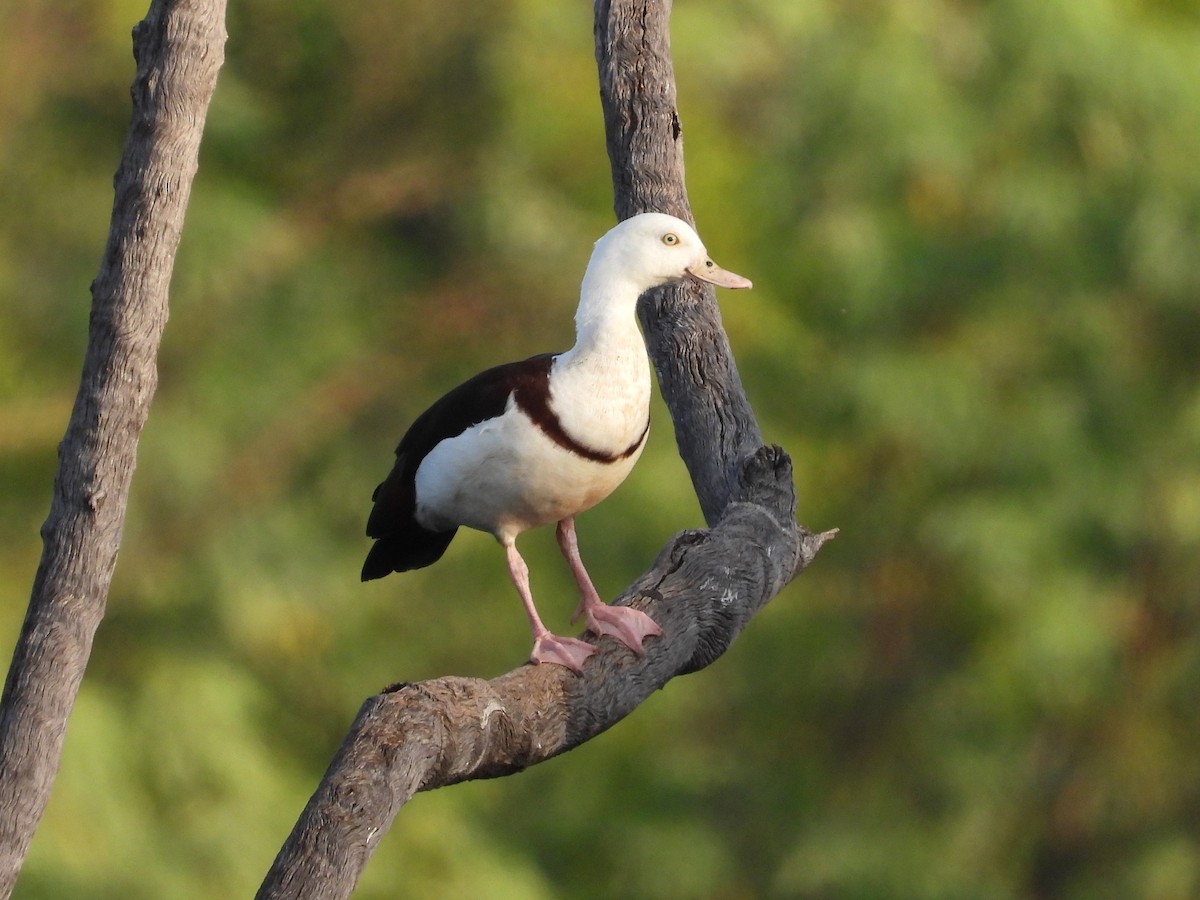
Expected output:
(603, 401)
(505, 476)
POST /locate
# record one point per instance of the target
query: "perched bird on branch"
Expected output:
(539, 441)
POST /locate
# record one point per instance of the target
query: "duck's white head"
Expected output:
(653, 249)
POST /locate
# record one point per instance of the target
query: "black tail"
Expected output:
(412, 548)
(400, 541)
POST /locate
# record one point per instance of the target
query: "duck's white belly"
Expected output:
(505, 475)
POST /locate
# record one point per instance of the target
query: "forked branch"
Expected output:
(702, 590)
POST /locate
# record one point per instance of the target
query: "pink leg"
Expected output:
(547, 647)
(627, 625)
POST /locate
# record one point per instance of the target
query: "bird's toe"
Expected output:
(561, 651)
(627, 625)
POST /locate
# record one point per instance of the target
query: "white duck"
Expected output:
(539, 441)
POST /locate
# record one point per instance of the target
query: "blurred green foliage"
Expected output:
(973, 229)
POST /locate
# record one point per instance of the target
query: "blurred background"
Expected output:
(973, 232)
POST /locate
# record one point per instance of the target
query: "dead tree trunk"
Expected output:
(178, 47)
(702, 590)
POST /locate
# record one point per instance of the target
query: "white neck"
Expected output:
(606, 320)
(601, 386)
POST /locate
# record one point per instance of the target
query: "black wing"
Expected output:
(401, 543)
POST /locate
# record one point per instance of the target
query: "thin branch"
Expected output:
(179, 49)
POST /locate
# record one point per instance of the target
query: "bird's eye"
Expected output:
(670, 239)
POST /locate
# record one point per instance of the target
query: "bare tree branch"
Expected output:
(702, 590)
(715, 427)
(179, 48)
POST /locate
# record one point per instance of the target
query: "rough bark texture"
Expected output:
(702, 590)
(178, 47)
(715, 427)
